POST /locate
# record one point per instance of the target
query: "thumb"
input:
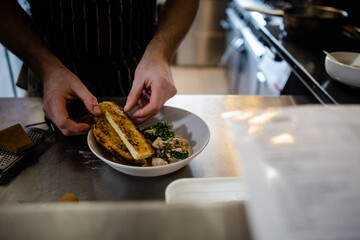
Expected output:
(90, 102)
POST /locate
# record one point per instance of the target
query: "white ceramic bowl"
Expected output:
(186, 124)
(346, 67)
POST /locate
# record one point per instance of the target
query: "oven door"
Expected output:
(241, 56)
(272, 75)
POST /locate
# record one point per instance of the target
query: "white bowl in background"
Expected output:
(185, 124)
(344, 67)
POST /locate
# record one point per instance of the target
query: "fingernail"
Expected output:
(97, 110)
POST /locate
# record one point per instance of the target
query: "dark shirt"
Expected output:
(101, 41)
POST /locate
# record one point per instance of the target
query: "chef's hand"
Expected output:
(153, 85)
(59, 87)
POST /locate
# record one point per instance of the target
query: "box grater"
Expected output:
(11, 163)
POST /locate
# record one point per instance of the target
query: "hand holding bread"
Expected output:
(152, 146)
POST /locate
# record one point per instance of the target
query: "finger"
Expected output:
(55, 110)
(142, 119)
(154, 105)
(146, 112)
(146, 94)
(139, 120)
(133, 96)
(143, 102)
(88, 119)
(90, 102)
(82, 128)
(144, 98)
(69, 127)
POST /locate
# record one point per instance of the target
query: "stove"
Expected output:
(254, 68)
(263, 60)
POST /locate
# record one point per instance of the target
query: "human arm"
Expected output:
(19, 35)
(153, 83)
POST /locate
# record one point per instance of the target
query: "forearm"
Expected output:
(175, 19)
(18, 34)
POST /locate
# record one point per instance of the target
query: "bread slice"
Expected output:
(105, 135)
(134, 140)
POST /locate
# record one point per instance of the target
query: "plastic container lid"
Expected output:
(205, 190)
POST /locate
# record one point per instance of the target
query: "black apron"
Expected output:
(100, 41)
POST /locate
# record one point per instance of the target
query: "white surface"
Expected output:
(186, 124)
(344, 67)
(302, 171)
(205, 190)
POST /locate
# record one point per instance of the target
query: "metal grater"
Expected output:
(9, 160)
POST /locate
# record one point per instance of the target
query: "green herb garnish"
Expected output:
(161, 129)
(179, 155)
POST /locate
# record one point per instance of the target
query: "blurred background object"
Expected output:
(10, 66)
(349, 6)
(205, 42)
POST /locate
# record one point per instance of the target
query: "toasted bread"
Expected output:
(105, 135)
(134, 140)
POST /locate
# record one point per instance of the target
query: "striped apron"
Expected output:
(101, 41)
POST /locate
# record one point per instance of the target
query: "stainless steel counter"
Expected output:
(65, 164)
(123, 220)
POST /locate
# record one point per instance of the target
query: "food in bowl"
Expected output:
(170, 147)
(154, 146)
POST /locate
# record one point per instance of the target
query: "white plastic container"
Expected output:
(205, 190)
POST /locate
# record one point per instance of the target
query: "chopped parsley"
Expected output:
(161, 129)
(179, 155)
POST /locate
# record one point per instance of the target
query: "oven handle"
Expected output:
(251, 41)
(236, 44)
